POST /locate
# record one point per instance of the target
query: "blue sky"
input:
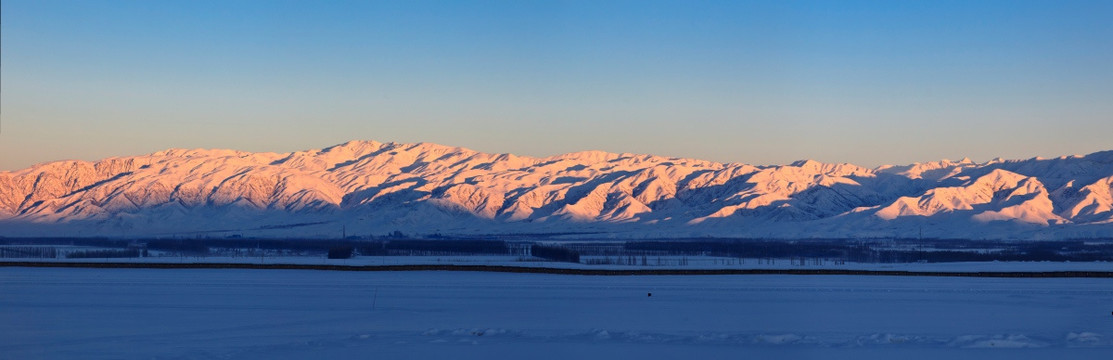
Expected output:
(762, 82)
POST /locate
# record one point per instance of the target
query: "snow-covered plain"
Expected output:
(653, 263)
(269, 314)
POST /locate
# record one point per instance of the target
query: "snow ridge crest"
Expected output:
(370, 187)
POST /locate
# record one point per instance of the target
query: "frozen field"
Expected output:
(692, 262)
(268, 314)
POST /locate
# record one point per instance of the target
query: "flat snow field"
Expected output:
(56, 313)
(690, 262)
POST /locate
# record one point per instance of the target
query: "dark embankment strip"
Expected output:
(544, 270)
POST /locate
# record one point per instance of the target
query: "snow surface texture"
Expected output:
(371, 188)
(655, 263)
(277, 314)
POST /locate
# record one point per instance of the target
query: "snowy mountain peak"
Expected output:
(589, 156)
(370, 187)
(806, 163)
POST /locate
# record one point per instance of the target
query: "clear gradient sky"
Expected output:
(760, 82)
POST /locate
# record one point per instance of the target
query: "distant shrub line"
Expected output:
(27, 252)
(555, 253)
(599, 252)
(103, 254)
(340, 252)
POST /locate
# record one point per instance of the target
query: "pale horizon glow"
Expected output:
(757, 82)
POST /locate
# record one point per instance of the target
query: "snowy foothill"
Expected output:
(50, 313)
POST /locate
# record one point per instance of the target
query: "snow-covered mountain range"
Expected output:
(365, 188)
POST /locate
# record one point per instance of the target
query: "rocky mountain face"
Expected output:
(365, 188)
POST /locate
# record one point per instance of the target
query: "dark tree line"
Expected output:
(736, 248)
(433, 247)
(626, 252)
(883, 251)
(555, 253)
(179, 246)
(340, 252)
(103, 254)
(28, 252)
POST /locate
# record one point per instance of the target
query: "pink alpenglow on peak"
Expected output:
(372, 188)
